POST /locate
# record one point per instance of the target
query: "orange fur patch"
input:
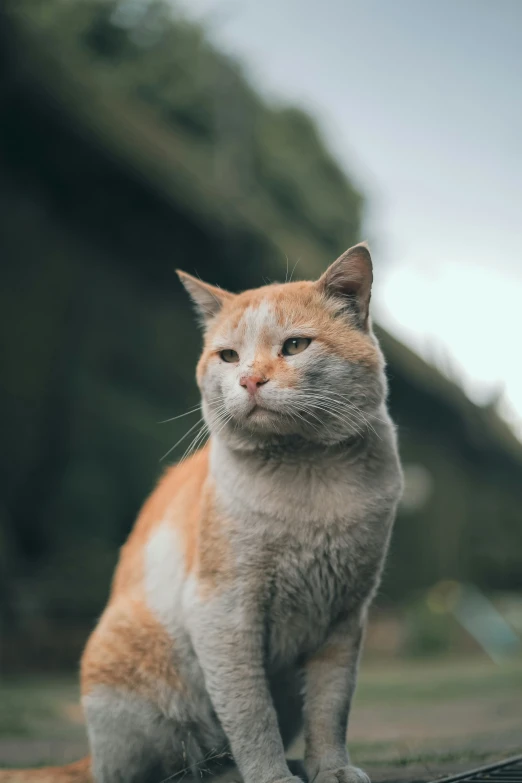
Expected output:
(177, 499)
(130, 649)
(215, 566)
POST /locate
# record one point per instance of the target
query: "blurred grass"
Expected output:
(437, 681)
(419, 720)
(40, 708)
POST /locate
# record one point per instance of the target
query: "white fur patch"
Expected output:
(165, 575)
(171, 594)
(254, 321)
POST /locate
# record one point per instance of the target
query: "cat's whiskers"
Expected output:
(332, 397)
(182, 438)
(293, 270)
(317, 403)
(366, 417)
(313, 403)
(198, 438)
(196, 441)
(353, 424)
(342, 398)
(181, 415)
(346, 414)
(220, 416)
(316, 399)
(212, 755)
(334, 407)
(296, 415)
(223, 419)
(307, 408)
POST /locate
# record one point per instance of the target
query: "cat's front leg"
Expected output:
(229, 645)
(330, 677)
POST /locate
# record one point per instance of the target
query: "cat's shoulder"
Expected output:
(182, 478)
(171, 510)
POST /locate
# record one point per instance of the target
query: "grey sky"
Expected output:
(421, 102)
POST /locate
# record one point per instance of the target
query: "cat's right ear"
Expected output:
(349, 279)
(208, 299)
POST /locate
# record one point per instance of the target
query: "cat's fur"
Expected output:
(239, 602)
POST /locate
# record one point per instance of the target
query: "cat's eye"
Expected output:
(229, 355)
(295, 345)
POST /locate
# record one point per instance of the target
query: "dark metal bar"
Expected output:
(508, 771)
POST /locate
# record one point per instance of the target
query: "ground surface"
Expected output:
(411, 720)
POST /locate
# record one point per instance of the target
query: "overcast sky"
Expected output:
(422, 104)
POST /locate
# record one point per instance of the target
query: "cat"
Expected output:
(238, 607)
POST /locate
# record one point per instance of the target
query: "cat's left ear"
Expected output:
(208, 299)
(350, 279)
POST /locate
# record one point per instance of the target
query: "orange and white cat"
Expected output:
(239, 603)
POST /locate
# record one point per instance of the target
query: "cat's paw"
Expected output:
(343, 775)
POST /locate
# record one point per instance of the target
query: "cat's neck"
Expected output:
(290, 479)
(285, 480)
(291, 449)
(295, 449)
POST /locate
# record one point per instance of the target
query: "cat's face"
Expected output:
(293, 358)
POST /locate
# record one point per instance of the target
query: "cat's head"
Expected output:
(294, 358)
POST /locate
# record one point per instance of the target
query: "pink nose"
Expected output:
(252, 383)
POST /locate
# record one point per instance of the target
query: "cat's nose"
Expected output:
(252, 382)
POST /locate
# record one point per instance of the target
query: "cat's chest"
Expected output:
(306, 590)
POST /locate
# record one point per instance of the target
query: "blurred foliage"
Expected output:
(427, 633)
(144, 54)
(130, 146)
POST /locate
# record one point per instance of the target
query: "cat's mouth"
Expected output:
(263, 414)
(258, 410)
